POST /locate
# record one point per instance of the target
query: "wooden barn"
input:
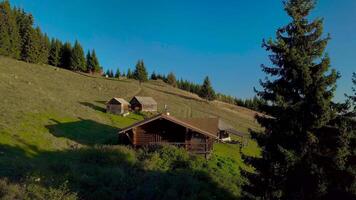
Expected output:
(145, 104)
(117, 106)
(166, 129)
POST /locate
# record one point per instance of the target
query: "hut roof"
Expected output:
(145, 100)
(211, 132)
(207, 124)
(118, 100)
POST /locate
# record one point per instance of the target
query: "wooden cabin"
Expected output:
(166, 129)
(144, 104)
(117, 106)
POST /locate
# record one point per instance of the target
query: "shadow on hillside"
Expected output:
(86, 132)
(175, 94)
(93, 106)
(106, 173)
(101, 102)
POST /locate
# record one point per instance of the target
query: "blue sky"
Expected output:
(221, 39)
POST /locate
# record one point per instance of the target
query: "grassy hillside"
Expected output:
(46, 111)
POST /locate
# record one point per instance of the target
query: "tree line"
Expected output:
(140, 73)
(21, 40)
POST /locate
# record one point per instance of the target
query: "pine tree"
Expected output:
(25, 23)
(77, 59)
(92, 62)
(140, 72)
(54, 53)
(117, 74)
(153, 76)
(30, 38)
(44, 46)
(207, 92)
(340, 139)
(65, 55)
(171, 79)
(89, 63)
(299, 100)
(10, 42)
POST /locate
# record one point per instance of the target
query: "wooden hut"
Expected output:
(117, 106)
(145, 104)
(165, 129)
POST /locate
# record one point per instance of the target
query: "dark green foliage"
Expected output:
(140, 72)
(77, 59)
(92, 62)
(109, 73)
(117, 73)
(55, 52)
(44, 46)
(20, 40)
(207, 92)
(153, 76)
(189, 86)
(66, 54)
(9, 35)
(297, 151)
(27, 35)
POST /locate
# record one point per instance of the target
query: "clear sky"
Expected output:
(192, 38)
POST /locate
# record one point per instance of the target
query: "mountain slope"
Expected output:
(44, 109)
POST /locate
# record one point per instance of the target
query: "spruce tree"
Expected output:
(206, 91)
(10, 42)
(54, 53)
(28, 46)
(77, 59)
(298, 105)
(153, 76)
(89, 64)
(65, 55)
(117, 74)
(92, 62)
(140, 72)
(44, 46)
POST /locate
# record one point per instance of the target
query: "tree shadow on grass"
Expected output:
(109, 172)
(86, 132)
(93, 106)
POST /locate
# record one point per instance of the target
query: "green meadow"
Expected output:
(56, 141)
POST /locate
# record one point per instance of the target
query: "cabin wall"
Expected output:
(162, 131)
(114, 108)
(159, 131)
(135, 105)
(149, 107)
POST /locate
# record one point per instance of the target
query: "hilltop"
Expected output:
(49, 109)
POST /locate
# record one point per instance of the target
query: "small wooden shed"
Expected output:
(117, 106)
(145, 104)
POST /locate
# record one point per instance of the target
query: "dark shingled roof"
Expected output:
(119, 100)
(211, 132)
(145, 100)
